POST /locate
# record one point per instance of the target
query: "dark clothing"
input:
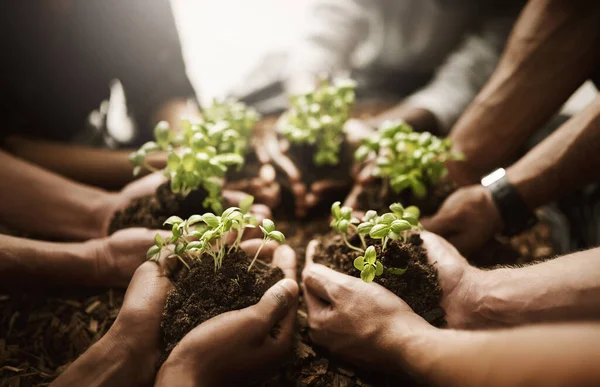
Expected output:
(59, 56)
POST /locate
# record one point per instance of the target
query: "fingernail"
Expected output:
(290, 287)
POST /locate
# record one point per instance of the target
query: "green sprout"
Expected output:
(394, 225)
(318, 118)
(202, 153)
(202, 236)
(405, 159)
(368, 265)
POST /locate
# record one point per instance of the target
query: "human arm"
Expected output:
(565, 161)
(109, 261)
(539, 70)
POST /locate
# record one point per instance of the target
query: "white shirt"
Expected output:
(456, 43)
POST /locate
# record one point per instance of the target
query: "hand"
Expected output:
(467, 219)
(239, 346)
(118, 256)
(459, 282)
(362, 322)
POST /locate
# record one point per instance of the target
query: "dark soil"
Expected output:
(372, 198)
(152, 211)
(202, 293)
(418, 287)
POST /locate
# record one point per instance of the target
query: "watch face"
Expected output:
(493, 177)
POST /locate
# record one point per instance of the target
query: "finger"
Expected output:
(261, 212)
(284, 257)
(272, 146)
(433, 242)
(322, 281)
(278, 301)
(267, 173)
(149, 287)
(352, 198)
(311, 248)
(251, 246)
(440, 223)
(260, 149)
(464, 243)
(322, 186)
(311, 200)
(233, 197)
(365, 176)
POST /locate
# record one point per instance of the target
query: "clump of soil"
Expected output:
(151, 211)
(201, 294)
(372, 197)
(418, 286)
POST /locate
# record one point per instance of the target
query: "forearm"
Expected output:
(106, 363)
(539, 70)
(44, 203)
(544, 355)
(99, 167)
(562, 289)
(31, 263)
(565, 161)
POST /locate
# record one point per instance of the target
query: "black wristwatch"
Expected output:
(513, 209)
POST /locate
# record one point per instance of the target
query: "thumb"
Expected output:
(278, 301)
(438, 224)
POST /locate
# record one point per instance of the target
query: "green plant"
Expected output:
(393, 225)
(202, 236)
(318, 117)
(203, 151)
(405, 159)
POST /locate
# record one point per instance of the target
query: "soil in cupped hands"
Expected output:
(418, 286)
(376, 198)
(151, 211)
(202, 293)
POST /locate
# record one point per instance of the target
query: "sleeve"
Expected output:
(463, 74)
(333, 31)
(144, 40)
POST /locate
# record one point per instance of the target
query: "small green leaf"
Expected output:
(386, 218)
(378, 268)
(179, 248)
(368, 274)
(364, 228)
(194, 219)
(158, 241)
(342, 226)
(362, 152)
(137, 170)
(400, 225)
(418, 188)
(396, 270)
(379, 231)
(277, 235)
(370, 215)
(268, 225)
(370, 255)
(188, 160)
(246, 203)
(211, 220)
(172, 220)
(152, 251)
(346, 213)
(414, 210)
(173, 161)
(335, 210)
(411, 219)
(194, 245)
(229, 159)
(397, 209)
(359, 263)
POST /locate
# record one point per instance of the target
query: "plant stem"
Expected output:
(362, 240)
(385, 241)
(257, 252)
(150, 167)
(350, 246)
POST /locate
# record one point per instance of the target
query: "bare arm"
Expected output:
(41, 202)
(540, 69)
(565, 161)
(543, 355)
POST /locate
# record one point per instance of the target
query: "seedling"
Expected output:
(203, 151)
(393, 225)
(202, 236)
(318, 117)
(405, 159)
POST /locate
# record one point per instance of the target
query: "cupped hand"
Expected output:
(239, 346)
(459, 281)
(467, 219)
(363, 322)
(117, 256)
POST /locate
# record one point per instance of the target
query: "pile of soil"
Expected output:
(151, 211)
(418, 286)
(373, 199)
(203, 293)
